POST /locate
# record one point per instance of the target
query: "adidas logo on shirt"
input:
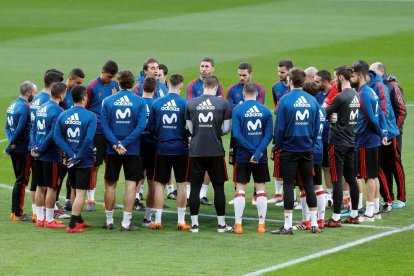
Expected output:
(35, 104)
(206, 105)
(42, 112)
(123, 101)
(301, 102)
(73, 120)
(10, 109)
(170, 106)
(355, 102)
(253, 112)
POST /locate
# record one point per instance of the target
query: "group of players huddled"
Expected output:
(348, 127)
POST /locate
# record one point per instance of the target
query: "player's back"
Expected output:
(16, 111)
(207, 114)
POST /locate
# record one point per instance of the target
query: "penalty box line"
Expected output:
(330, 251)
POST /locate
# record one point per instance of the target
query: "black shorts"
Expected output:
(148, 165)
(132, 167)
(368, 163)
(99, 142)
(214, 165)
(46, 174)
(81, 178)
(164, 164)
(242, 172)
(317, 174)
(325, 158)
(33, 183)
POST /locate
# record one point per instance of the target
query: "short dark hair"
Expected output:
(324, 75)
(110, 67)
(359, 69)
(246, 66)
(250, 88)
(76, 73)
(149, 85)
(126, 79)
(164, 68)
(57, 89)
(310, 87)
(211, 82)
(175, 80)
(150, 60)
(25, 87)
(343, 71)
(286, 63)
(208, 59)
(51, 76)
(297, 76)
(362, 63)
(78, 92)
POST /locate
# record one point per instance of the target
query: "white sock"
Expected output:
(194, 220)
(312, 215)
(305, 208)
(376, 205)
(261, 206)
(294, 195)
(188, 189)
(181, 215)
(126, 220)
(354, 213)
(221, 220)
(55, 208)
(109, 217)
(91, 195)
(336, 217)
(148, 213)
(321, 200)
(33, 208)
(278, 187)
(360, 205)
(49, 214)
(329, 191)
(141, 189)
(288, 220)
(137, 195)
(170, 188)
(369, 212)
(158, 214)
(203, 191)
(66, 200)
(239, 204)
(39, 213)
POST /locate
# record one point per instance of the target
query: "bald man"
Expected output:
(310, 73)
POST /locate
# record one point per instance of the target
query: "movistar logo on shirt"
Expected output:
(170, 106)
(41, 124)
(42, 112)
(123, 101)
(301, 102)
(73, 133)
(254, 126)
(10, 120)
(206, 105)
(355, 102)
(321, 116)
(73, 120)
(302, 117)
(253, 112)
(169, 120)
(10, 109)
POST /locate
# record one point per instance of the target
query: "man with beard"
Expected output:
(279, 89)
(235, 97)
(370, 133)
(18, 117)
(344, 111)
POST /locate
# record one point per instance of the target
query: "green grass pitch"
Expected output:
(37, 35)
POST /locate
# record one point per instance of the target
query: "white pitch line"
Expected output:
(244, 218)
(330, 251)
